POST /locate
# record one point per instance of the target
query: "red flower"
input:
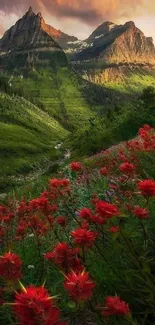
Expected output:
(127, 168)
(21, 230)
(116, 306)
(141, 213)
(104, 171)
(40, 227)
(76, 166)
(83, 237)
(34, 306)
(106, 210)
(62, 221)
(79, 286)
(65, 182)
(10, 266)
(114, 229)
(41, 204)
(59, 182)
(147, 187)
(86, 213)
(64, 256)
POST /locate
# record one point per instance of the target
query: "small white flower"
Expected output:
(31, 267)
(31, 235)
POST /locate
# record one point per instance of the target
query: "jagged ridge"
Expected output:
(117, 44)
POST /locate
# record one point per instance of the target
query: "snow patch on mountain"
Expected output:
(99, 36)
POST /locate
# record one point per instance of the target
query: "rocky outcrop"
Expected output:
(118, 44)
(117, 54)
(27, 33)
(29, 29)
(26, 41)
(64, 40)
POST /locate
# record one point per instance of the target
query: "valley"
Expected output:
(77, 168)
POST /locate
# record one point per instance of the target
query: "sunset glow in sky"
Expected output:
(81, 17)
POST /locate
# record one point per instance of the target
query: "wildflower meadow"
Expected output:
(86, 245)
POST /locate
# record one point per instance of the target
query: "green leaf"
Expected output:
(71, 304)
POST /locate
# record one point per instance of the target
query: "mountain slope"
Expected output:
(118, 44)
(27, 137)
(117, 54)
(39, 71)
(26, 44)
(30, 27)
(42, 98)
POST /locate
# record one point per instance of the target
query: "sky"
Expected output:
(81, 17)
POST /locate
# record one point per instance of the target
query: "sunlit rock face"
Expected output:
(115, 53)
(118, 44)
(28, 43)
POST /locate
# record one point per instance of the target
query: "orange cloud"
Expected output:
(80, 17)
(89, 11)
(93, 11)
(2, 29)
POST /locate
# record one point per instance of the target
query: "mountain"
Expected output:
(19, 34)
(118, 44)
(117, 53)
(26, 44)
(42, 99)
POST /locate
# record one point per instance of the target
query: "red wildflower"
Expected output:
(3, 210)
(34, 306)
(144, 131)
(10, 266)
(22, 208)
(64, 256)
(83, 237)
(38, 225)
(106, 210)
(104, 171)
(98, 219)
(21, 230)
(147, 187)
(86, 213)
(2, 233)
(116, 306)
(79, 286)
(55, 182)
(65, 182)
(127, 168)
(62, 221)
(76, 166)
(114, 229)
(50, 220)
(141, 213)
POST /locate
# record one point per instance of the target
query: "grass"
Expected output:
(58, 91)
(121, 78)
(27, 137)
(39, 108)
(119, 263)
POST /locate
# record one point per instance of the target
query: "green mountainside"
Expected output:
(44, 101)
(27, 137)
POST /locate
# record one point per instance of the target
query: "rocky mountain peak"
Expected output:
(100, 31)
(119, 44)
(130, 24)
(29, 12)
(39, 14)
(29, 43)
(29, 30)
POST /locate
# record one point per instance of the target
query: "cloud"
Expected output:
(89, 11)
(2, 29)
(80, 17)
